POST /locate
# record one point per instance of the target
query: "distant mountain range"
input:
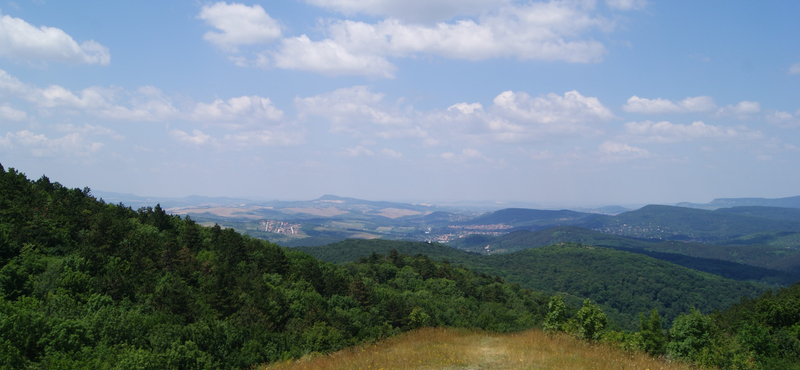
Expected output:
(788, 202)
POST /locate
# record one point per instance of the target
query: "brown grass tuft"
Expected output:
(456, 349)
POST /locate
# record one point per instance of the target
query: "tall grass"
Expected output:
(454, 349)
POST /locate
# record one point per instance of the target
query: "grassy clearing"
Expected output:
(453, 349)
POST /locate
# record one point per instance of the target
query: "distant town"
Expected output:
(280, 227)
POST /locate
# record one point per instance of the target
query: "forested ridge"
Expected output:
(625, 284)
(89, 285)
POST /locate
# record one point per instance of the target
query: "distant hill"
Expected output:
(624, 283)
(775, 213)
(788, 202)
(523, 217)
(748, 263)
(680, 223)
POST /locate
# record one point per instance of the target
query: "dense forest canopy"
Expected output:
(84, 284)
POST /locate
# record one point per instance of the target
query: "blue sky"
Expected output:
(551, 102)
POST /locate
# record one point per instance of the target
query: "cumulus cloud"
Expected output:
(517, 116)
(548, 31)
(328, 57)
(741, 110)
(70, 145)
(551, 108)
(20, 40)
(411, 10)
(658, 106)
(244, 109)
(667, 132)
(148, 103)
(238, 24)
(513, 117)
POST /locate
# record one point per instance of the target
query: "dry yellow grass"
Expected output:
(453, 349)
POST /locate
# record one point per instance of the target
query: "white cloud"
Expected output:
(7, 113)
(465, 108)
(551, 108)
(72, 145)
(658, 106)
(238, 25)
(513, 116)
(666, 132)
(244, 109)
(794, 69)
(741, 110)
(616, 152)
(358, 151)
(147, 103)
(328, 57)
(21, 40)
(88, 129)
(784, 119)
(391, 153)
(548, 31)
(197, 138)
(411, 10)
(627, 4)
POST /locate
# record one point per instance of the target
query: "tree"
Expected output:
(690, 335)
(653, 340)
(556, 314)
(591, 321)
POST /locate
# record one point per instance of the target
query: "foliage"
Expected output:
(754, 262)
(653, 340)
(87, 285)
(591, 321)
(556, 314)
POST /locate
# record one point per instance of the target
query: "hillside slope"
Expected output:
(757, 263)
(687, 224)
(626, 284)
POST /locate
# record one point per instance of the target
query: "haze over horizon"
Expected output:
(554, 102)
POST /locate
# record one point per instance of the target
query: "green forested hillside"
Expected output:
(745, 262)
(89, 285)
(679, 223)
(626, 284)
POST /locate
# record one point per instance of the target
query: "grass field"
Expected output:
(453, 349)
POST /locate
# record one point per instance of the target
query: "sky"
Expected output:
(574, 102)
